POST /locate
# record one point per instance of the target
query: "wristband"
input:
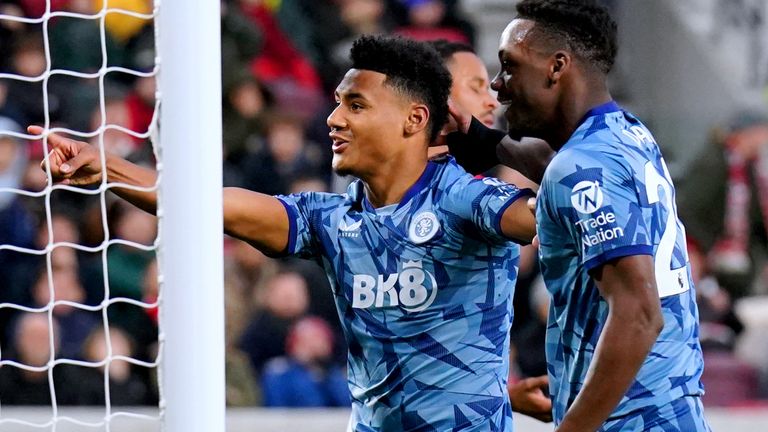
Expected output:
(475, 150)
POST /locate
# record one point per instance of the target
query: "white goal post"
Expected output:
(191, 250)
(187, 136)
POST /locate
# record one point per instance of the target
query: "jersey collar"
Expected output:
(608, 107)
(358, 189)
(602, 109)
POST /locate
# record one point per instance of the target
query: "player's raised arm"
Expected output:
(479, 148)
(256, 218)
(634, 322)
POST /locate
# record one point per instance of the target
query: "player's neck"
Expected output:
(393, 179)
(573, 109)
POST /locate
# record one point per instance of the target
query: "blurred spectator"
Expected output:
(306, 377)
(746, 150)
(127, 266)
(246, 103)
(17, 226)
(429, 20)
(75, 323)
(324, 30)
(719, 325)
(241, 41)
(358, 17)
(75, 43)
(32, 347)
(115, 113)
(285, 300)
(8, 30)
(140, 104)
(24, 101)
(282, 68)
(245, 272)
(25, 273)
(126, 387)
(287, 155)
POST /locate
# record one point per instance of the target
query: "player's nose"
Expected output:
(491, 102)
(496, 83)
(335, 120)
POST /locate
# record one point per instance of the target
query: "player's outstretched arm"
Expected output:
(256, 218)
(77, 163)
(633, 325)
(527, 397)
(259, 219)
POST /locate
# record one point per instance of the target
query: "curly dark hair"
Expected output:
(413, 68)
(446, 48)
(584, 26)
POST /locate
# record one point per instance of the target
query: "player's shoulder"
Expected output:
(586, 155)
(449, 176)
(318, 201)
(455, 183)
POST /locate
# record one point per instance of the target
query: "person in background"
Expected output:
(306, 376)
(470, 92)
(285, 300)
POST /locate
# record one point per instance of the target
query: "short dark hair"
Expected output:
(413, 68)
(447, 49)
(584, 26)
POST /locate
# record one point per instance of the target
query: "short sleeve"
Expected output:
(305, 211)
(482, 202)
(596, 198)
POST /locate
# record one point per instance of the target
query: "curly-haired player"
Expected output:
(418, 252)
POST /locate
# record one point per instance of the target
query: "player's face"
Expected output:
(523, 83)
(367, 124)
(470, 88)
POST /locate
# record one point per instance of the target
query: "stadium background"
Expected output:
(696, 71)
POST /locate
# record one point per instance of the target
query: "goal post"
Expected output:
(190, 230)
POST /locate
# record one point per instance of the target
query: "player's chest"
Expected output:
(392, 260)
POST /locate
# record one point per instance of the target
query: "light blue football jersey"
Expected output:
(424, 292)
(607, 194)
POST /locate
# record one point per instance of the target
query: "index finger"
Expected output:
(54, 139)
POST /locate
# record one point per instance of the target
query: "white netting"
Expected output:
(59, 416)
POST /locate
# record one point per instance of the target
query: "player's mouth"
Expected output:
(339, 144)
(488, 119)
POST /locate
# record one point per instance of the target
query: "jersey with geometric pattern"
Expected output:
(424, 291)
(607, 194)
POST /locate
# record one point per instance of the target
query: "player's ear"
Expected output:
(560, 62)
(418, 119)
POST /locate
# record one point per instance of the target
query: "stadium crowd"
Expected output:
(281, 61)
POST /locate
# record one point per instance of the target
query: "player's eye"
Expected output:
(355, 106)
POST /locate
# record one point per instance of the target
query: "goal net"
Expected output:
(102, 305)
